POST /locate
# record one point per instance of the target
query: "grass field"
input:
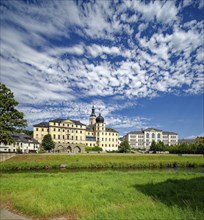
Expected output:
(106, 195)
(42, 161)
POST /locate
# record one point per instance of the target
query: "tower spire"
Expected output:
(92, 118)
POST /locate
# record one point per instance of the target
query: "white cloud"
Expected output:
(195, 136)
(97, 50)
(29, 58)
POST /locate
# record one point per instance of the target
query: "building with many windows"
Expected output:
(23, 143)
(143, 139)
(71, 135)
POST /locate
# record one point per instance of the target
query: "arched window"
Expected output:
(158, 135)
(153, 135)
(147, 135)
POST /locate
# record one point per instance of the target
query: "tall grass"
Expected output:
(29, 162)
(106, 195)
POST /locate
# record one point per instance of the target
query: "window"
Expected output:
(147, 135)
(58, 136)
(53, 129)
(54, 136)
(42, 129)
(158, 135)
(36, 129)
(153, 135)
(58, 129)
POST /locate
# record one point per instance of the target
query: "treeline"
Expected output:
(196, 147)
(28, 132)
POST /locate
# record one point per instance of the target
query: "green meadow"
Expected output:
(114, 195)
(54, 161)
(33, 185)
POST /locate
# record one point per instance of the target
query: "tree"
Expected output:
(28, 132)
(124, 147)
(153, 146)
(10, 117)
(48, 143)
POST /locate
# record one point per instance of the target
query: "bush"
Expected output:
(96, 149)
(19, 151)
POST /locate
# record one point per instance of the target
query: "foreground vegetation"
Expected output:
(55, 161)
(106, 195)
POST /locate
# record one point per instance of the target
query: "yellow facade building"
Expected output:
(72, 136)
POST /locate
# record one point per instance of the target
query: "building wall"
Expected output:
(24, 147)
(144, 139)
(39, 133)
(67, 132)
(107, 140)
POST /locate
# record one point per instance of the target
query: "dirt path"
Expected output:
(6, 156)
(7, 215)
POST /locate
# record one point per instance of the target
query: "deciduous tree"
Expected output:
(47, 142)
(124, 147)
(10, 117)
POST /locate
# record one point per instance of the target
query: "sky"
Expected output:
(140, 63)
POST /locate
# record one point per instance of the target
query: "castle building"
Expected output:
(71, 135)
(143, 139)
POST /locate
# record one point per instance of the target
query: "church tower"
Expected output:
(92, 118)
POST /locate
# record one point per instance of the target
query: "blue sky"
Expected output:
(139, 62)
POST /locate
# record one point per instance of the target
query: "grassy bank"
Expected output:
(106, 195)
(33, 162)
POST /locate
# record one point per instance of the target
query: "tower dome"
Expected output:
(99, 119)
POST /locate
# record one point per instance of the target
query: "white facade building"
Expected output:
(143, 139)
(23, 142)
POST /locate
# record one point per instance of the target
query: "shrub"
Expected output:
(96, 148)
